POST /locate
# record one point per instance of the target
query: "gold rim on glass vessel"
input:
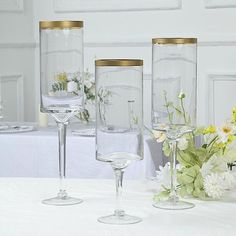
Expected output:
(119, 62)
(174, 41)
(60, 24)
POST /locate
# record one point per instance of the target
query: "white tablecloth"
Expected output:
(35, 154)
(22, 214)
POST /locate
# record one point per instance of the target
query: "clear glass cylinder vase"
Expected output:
(61, 66)
(174, 71)
(119, 106)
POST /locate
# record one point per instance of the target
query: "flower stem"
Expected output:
(184, 113)
(167, 108)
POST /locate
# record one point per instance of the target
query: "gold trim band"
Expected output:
(119, 62)
(60, 24)
(174, 41)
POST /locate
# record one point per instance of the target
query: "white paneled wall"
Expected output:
(124, 29)
(17, 46)
(11, 5)
(13, 103)
(220, 3)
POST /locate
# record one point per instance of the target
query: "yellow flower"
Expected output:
(62, 77)
(234, 116)
(211, 129)
(220, 145)
(231, 138)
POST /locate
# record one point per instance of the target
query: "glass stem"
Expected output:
(173, 193)
(62, 157)
(119, 181)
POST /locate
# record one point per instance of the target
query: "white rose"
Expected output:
(183, 144)
(229, 180)
(71, 86)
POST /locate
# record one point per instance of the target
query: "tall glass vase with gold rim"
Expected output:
(119, 122)
(174, 89)
(61, 85)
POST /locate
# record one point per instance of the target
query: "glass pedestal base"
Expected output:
(119, 218)
(173, 205)
(62, 199)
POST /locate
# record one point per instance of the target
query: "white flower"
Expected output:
(216, 164)
(224, 131)
(214, 185)
(88, 84)
(230, 154)
(229, 180)
(159, 136)
(163, 176)
(183, 144)
(71, 86)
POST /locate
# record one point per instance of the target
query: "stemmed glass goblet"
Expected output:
(61, 85)
(119, 122)
(174, 89)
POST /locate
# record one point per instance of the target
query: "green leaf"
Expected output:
(199, 193)
(183, 191)
(188, 175)
(190, 188)
(166, 148)
(178, 111)
(168, 104)
(162, 196)
(185, 159)
(199, 131)
(185, 179)
(198, 183)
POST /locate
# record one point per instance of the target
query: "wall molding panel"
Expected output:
(149, 44)
(18, 45)
(213, 78)
(18, 79)
(115, 5)
(220, 3)
(91, 44)
(11, 5)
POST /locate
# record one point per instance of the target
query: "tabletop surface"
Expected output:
(22, 213)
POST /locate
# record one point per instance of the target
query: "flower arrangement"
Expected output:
(202, 170)
(71, 83)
